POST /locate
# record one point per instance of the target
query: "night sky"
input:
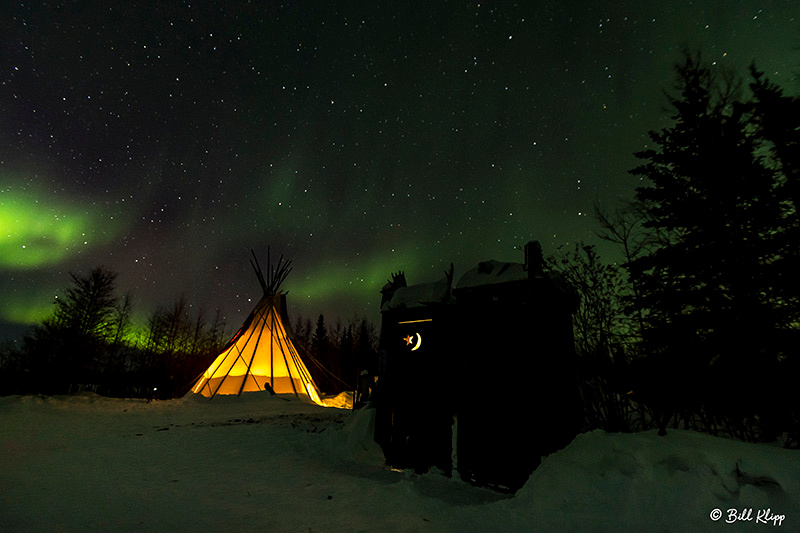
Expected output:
(166, 139)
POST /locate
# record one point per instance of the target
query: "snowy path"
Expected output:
(86, 463)
(92, 464)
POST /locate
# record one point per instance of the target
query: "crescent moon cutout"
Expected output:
(419, 343)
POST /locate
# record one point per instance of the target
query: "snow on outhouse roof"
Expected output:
(492, 272)
(418, 295)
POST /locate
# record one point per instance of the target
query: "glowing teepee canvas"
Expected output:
(261, 355)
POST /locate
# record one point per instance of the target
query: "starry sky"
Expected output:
(164, 140)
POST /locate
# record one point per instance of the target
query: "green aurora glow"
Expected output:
(165, 141)
(40, 231)
(30, 308)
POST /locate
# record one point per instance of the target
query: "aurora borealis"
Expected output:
(165, 139)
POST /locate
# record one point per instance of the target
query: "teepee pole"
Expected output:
(259, 272)
(252, 357)
(208, 383)
(299, 366)
(271, 349)
(285, 361)
(235, 359)
(246, 352)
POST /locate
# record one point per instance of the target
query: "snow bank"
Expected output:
(86, 463)
(619, 482)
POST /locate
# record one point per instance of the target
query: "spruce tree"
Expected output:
(776, 121)
(320, 340)
(704, 289)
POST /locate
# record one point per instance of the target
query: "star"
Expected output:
(351, 153)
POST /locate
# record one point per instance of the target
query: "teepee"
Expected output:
(261, 355)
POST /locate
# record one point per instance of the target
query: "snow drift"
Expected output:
(257, 462)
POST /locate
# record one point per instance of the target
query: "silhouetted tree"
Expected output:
(322, 354)
(776, 121)
(705, 289)
(14, 370)
(345, 356)
(302, 332)
(606, 337)
(217, 335)
(120, 355)
(88, 306)
(335, 356)
(365, 353)
(71, 347)
(178, 346)
(625, 229)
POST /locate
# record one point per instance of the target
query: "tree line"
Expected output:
(337, 354)
(699, 324)
(89, 343)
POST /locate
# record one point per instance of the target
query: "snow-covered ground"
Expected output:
(260, 463)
